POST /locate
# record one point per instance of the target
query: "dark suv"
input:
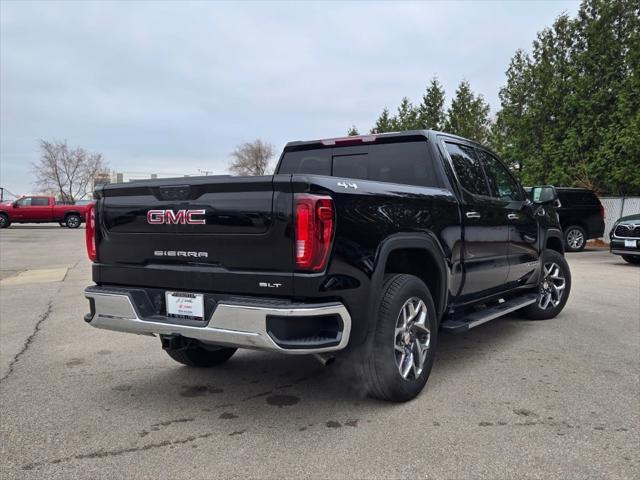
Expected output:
(625, 238)
(581, 217)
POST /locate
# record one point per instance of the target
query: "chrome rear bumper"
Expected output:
(231, 323)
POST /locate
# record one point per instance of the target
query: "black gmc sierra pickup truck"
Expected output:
(368, 245)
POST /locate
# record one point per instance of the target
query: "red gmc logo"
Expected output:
(182, 217)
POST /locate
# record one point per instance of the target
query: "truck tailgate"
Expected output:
(217, 234)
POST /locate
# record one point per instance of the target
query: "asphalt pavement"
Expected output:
(509, 399)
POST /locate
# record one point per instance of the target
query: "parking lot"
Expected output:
(509, 399)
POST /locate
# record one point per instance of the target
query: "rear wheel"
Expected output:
(198, 356)
(575, 239)
(397, 359)
(553, 289)
(4, 221)
(73, 220)
(635, 259)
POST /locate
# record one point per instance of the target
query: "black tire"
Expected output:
(4, 220)
(380, 359)
(575, 239)
(73, 220)
(634, 259)
(537, 311)
(197, 356)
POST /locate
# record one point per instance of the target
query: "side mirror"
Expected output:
(544, 195)
(14, 204)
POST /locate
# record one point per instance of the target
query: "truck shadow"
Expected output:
(296, 392)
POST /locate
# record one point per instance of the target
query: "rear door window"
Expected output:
(468, 168)
(407, 163)
(589, 198)
(577, 197)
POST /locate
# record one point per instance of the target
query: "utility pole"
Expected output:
(2, 192)
(205, 172)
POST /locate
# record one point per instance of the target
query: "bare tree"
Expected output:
(252, 158)
(68, 171)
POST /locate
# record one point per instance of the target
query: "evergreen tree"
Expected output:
(571, 112)
(509, 131)
(353, 131)
(605, 138)
(407, 117)
(384, 123)
(468, 115)
(431, 110)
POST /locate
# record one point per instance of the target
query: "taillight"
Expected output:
(90, 233)
(601, 211)
(314, 230)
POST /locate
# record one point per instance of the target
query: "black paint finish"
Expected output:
(249, 237)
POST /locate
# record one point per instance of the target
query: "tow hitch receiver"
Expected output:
(175, 342)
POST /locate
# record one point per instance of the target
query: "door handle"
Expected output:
(473, 215)
(513, 216)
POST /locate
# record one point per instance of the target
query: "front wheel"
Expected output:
(73, 221)
(397, 358)
(553, 289)
(634, 259)
(198, 356)
(4, 221)
(575, 239)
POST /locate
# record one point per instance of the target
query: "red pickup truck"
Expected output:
(42, 209)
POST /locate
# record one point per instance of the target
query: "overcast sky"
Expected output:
(173, 87)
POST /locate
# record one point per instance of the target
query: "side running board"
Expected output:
(473, 319)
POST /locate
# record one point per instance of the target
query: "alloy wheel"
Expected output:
(412, 338)
(575, 239)
(73, 222)
(552, 286)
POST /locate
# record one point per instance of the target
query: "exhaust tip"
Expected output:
(325, 359)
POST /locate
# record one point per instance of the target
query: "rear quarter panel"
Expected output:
(366, 217)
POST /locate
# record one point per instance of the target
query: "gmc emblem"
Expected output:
(182, 217)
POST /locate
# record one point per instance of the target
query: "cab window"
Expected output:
(24, 202)
(407, 163)
(501, 183)
(39, 202)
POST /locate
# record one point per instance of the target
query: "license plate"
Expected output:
(185, 305)
(630, 243)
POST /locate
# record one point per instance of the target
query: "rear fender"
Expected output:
(414, 241)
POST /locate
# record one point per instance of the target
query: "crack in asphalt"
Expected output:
(28, 341)
(114, 453)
